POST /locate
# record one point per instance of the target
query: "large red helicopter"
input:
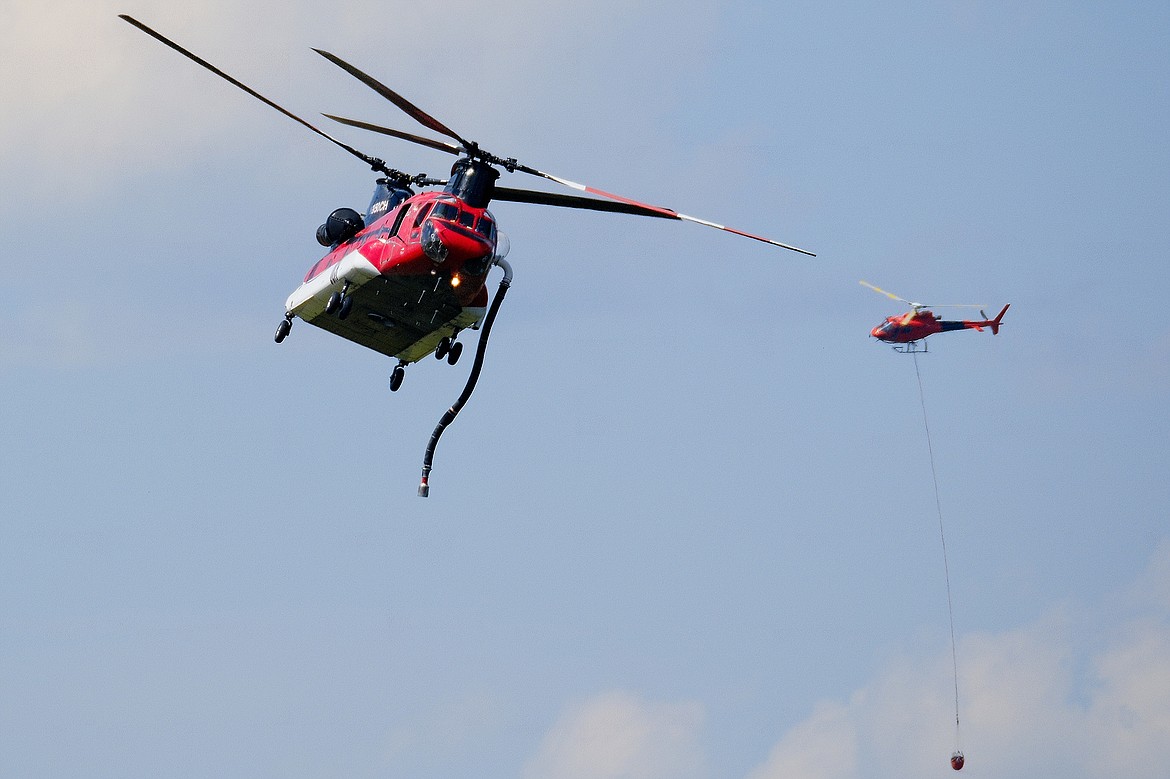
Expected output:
(408, 276)
(908, 329)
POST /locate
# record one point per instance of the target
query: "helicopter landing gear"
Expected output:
(396, 377)
(912, 347)
(283, 329)
(340, 303)
(450, 348)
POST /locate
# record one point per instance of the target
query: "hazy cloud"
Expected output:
(1052, 698)
(618, 735)
(1049, 699)
(825, 745)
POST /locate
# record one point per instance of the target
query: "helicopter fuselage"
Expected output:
(414, 276)
(918, 324)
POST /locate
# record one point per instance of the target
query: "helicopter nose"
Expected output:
(441, 243)
(876, 332)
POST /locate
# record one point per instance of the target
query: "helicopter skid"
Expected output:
(912, 347)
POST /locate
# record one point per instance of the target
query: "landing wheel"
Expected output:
(282, 330)
(396, 378)
(334, 303)
(346, 306)
(443, 348)
(453, 354)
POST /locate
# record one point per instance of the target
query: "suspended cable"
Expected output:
(957, 758)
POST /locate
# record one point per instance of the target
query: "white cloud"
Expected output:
(1065, 696)
(825, 746)
(1022, 713)
(1079, 693)
(1129, 720)
(618, 735)
(83, 101)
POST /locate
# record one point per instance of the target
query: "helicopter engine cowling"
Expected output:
(342, 224)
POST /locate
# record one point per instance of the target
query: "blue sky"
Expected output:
(686, 525)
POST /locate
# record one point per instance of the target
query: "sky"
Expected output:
(687, 526)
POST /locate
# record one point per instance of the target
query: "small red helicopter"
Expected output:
(408, 276)
(908, 329)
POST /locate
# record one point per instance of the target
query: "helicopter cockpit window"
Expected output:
(448, 211)
(467, 219)
(486, 227)
(422, 214)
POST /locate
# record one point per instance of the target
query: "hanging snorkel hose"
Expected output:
(424, 488)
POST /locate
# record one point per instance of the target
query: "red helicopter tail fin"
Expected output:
(994, 323)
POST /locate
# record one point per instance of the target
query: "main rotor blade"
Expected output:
(373, 162)
(450, 148)
(472, 149)
(890, 295)
(911, 303)
(651, 210)
(416, 113)
(573, 201)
